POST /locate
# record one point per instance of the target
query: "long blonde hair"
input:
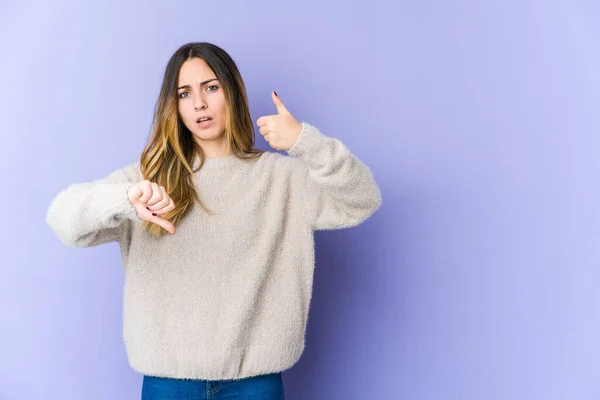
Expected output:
(168, 156)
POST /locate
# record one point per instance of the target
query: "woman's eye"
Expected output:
(181, 95)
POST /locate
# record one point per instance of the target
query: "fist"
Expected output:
(155, 198)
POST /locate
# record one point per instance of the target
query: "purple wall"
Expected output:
(478, 278)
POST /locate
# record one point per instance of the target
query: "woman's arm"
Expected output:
(338, 190)
(92, 213)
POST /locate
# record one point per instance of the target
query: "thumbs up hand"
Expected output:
(281, 130)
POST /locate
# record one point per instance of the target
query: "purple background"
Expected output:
(477, 279)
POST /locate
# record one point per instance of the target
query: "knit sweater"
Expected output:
(227, 296)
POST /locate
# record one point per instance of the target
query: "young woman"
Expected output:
(216, 237)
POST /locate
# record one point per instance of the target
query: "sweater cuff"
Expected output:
(307, 141)
(117, 203)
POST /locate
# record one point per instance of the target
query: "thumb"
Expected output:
(167, 225)
(279, 104)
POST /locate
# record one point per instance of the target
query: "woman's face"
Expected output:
(200, 94)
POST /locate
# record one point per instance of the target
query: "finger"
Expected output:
(263, 121)
(264, 130)
(279, 104)
(164, 223)
(156, 195)
(146, 189)
(161, 206)
(136, 192)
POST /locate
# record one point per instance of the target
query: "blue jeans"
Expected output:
(261, 387)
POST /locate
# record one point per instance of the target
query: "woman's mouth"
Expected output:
(204, 122)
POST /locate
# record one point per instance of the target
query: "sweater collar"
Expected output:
(211, 163)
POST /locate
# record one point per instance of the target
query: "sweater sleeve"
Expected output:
(92, 213)
(338, 190)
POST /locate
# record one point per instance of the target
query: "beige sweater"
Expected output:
(227, 296)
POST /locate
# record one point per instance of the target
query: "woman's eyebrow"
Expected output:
(201, 84)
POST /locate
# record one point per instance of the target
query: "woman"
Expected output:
(216, 237)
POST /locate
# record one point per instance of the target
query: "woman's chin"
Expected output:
(207, 135)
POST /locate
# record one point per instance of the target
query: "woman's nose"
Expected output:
(199, 102)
